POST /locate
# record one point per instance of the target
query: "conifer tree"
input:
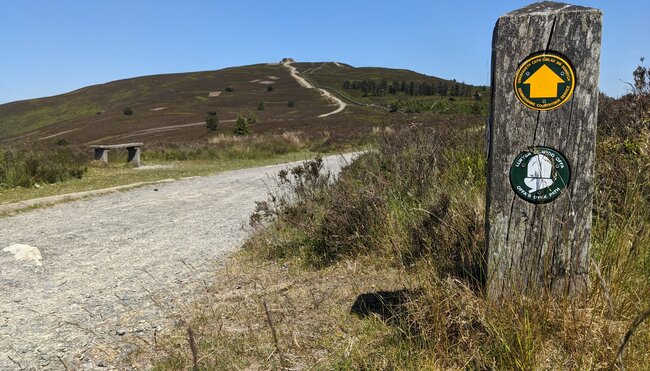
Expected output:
(241, 126)
(211, 121)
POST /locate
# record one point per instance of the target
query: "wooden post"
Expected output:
(541, 149)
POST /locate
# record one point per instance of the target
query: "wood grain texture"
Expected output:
(530, 247)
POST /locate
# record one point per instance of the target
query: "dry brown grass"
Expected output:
(310, 312)
(444, 325)
(294, 137)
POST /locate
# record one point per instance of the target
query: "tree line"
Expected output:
(381, 87)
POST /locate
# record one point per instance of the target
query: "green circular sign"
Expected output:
(539, 175)
(544, 81)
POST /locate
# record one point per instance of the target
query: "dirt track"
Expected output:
(306, 84)
(117, 268)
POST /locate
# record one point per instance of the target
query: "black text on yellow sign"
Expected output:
(544, 81)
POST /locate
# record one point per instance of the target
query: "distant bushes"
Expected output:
(244, 123)
(222, 147)
(437, 105)
(128, 111)
(211, 121)
(22, 167)
(623, 146)
(381, 87)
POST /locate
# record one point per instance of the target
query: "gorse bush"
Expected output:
(21, 167)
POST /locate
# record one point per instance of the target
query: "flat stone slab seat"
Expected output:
(101, 151)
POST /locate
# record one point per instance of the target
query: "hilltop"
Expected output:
(172, 107)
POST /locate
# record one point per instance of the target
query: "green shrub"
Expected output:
(260, 106)
(128, 111)
(24, 167)
(241, 126)
(211, 121)
(251, 118)
(290, 104)
(436, 105)
(224, 147)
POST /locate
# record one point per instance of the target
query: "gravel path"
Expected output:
(118, 266)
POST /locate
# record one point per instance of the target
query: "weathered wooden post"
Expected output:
(541, 151)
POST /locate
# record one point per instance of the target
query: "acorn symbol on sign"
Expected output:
(539, 173)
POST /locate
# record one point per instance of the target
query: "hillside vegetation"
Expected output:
(397, 90)
(99, 112)
(382, 268)
(249, 113)
(170, 108)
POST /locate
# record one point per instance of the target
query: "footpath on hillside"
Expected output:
(306, 84)
(119, 266)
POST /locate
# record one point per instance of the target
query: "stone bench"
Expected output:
(101, 151)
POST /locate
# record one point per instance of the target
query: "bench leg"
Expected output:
(134, 155)
(101, 154)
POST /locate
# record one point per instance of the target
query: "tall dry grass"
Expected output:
(25, 167)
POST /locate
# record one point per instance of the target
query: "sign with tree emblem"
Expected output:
(539, 175)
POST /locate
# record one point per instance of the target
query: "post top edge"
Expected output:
(548, 7)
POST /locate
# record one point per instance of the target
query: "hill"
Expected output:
(172, 107)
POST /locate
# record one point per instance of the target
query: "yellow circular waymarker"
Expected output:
(544, 81)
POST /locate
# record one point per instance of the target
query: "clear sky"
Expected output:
(50, 47)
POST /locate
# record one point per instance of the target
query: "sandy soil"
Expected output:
(118, 269)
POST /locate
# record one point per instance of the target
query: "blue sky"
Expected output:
(52, 47)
